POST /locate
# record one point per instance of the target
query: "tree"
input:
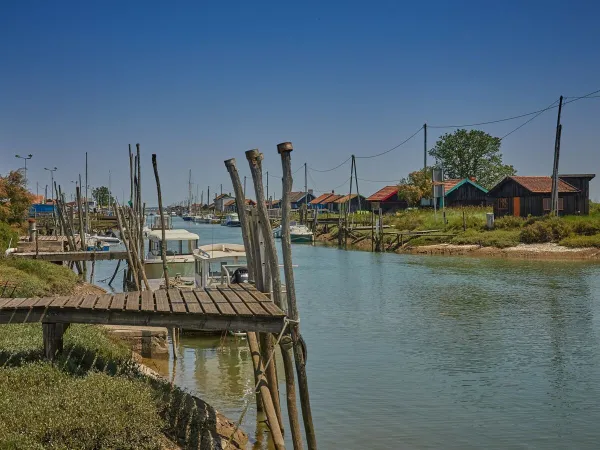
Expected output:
(416, 186)
(102, 196)
(15, 199)
(472, 153)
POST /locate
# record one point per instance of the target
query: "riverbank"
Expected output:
(96, 394)
(542, 251)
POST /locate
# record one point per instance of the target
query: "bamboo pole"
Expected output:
(285, 149)
(249, 246)
(127, 250)
(60, 208)
(266, 395)
(133, 245)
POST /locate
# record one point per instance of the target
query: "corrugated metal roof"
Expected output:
(543, 185)
(384, 194)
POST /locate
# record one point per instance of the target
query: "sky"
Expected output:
(200, 82)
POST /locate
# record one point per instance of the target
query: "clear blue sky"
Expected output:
(199, 82)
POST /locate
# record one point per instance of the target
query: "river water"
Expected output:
(424, 352)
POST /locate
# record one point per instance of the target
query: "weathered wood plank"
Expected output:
(264, 301)
(42, 302)
(177, 303)
(206, 302)
(89, 301)
(236, 302)
(103, 302)
(58, 302)
(118, 302)
(221, 302)
(162, 301)
(73, 256)
(14, 302)
(259, 296)
(28, 303)
(74, 301)
(249, 301)
(4, 301)
(191, 302)
(133, 301)
(147, 301)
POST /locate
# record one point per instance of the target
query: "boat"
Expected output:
(298, 233)
(218, 264)
(197, 219)
(231, 220)
(156, 224)
(173, 214)
(187, 218)
(180, 248)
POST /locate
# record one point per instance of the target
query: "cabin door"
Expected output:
(516, 206)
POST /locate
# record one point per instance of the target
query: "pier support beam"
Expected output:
(53, 339)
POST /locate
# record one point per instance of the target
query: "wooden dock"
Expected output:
(236, 307)
(72, 256)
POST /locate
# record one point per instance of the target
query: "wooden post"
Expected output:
(130, 176)
(81, 228)
(285, 150)
(274, 425)
(127, 250)
(53, 339)
(116, 270)
(63, 223)
(240, 200)
(249, 245)
(140, 208)
(255, 253)
(163, 247)
(372, 230)
(134, 246)
(254, 159)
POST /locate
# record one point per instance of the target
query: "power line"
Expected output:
(378, 181)
(526, 122)
(515, 117)
(333, 168)
(393, 148)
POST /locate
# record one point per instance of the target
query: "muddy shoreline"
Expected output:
(546, 251)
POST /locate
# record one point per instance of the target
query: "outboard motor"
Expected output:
(240, 275)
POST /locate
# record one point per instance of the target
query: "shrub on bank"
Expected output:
(581, 241)
(549, 229)
(8, 236)
(509, 222)
(36, 278)
(43, 407)
(493, 238)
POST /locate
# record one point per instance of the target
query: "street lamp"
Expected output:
(25, 158)
(51, 178)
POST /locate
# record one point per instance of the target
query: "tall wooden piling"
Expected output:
(250, 247)
(127, 250)
(285, 149)
(81, 228)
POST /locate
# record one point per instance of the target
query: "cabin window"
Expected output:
(548, 204)
(502, 203)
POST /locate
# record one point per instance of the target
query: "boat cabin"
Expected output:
(156, 224)
(218, 264)
(179, 242)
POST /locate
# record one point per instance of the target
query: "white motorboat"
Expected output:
(180, 248)
(298, 233)
(220, 264)
(231, 220)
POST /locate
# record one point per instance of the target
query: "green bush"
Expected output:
(8, 236)
(43, 407)
(581, 241)
(509, 222)
(549, 229)
(493, 238)
(584, 225)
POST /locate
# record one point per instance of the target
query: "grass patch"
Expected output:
(426, 219)
(492, 238)
(44, 407)
(581, 241)
(37, 278)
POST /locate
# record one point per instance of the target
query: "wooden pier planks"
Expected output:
(233, 307)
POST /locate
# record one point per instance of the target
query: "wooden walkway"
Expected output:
(72, 256)
(236, 307)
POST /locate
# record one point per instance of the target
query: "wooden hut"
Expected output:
(524, 195)
(297, 199)
(581, 182)
(463, 192)
(388, 199)
(354, 202)
(231, 205)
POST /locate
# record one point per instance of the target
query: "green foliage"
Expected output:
(492, 238)
(15, 199)
(509, 222)
(8, 236)
(594, 208)
(472, 153)
(550, 229)
(102, 196)
(43, 407)
(36, 278)
(425, 219)
(584, 225)
(418, 185)
(581, 241)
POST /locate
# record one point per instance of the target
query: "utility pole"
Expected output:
(208, 197)
(109, 194)
(554, 198)
(221, 188)
(244, 186)
(87, 200)
(268, 203)
(25, 158)
(425, 147)
(356, 180)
